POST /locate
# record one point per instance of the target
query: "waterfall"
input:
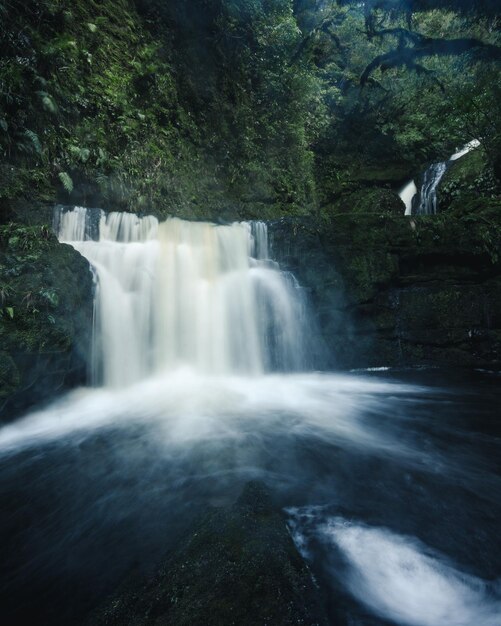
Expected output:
(181, 293)
(428, 201)
(428, 194)
(407, 194)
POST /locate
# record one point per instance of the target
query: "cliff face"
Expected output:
(138, 105)
(388, 290)
(45, 317)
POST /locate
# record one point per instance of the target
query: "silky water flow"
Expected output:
(202, 383)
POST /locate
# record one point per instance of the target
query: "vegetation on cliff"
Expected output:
(227, 108)
(45, 317)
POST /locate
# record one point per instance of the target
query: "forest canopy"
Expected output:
(276, 103)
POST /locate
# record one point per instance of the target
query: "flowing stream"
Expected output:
(389, 479)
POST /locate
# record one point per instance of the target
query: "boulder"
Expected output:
(237, 566)
(46, 303)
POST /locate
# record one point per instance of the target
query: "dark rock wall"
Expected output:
(397, 291)
(45, 317)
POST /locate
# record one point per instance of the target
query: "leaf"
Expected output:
(67, 182)
(49, 104)
(3, 125)
(82, 154)
(34, 141)
(92, 27)
(10, 312)
(50, 295)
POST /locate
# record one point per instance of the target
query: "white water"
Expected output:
(187, 407)
(185, 294)
(407, 194)
(398, 577)
(465, 149)
(428, 202)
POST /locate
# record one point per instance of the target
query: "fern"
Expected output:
(103, 182)
(67, 182)
(48, 102)
(33, 145)
(101, 158)
(82, 154)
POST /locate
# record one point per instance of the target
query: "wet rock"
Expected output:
(45, 317)
(399, 291)
(238, 566)
(468, 178)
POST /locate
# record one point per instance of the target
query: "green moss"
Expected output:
(237, 565)
(9, 376)
(45, 315)
(401, 291)
(469, 177)
(112, 111)
(375, 200)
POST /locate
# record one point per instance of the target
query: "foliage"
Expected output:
(251, 108)
(114, 113)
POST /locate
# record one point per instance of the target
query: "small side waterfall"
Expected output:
(185, 294)
(407, 194)
(427, 195)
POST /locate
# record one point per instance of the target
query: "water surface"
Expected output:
(390, 481)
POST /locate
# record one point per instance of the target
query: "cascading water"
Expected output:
(184, 294)
(428, 201)
(99, 484)
(407, 194)
(428, 196)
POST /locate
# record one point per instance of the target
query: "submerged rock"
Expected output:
(237, 566)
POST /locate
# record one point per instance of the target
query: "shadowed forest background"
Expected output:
(270, 107)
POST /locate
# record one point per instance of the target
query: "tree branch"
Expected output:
(405, 56)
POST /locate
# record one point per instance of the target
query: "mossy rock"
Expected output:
(394, 290)
(236, 566)
(45, 316)
(9, 376)
(378, 201)
(470, 176)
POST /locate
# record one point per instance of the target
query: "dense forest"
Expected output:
(272, 106)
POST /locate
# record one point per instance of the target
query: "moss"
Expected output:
(401, 291)
(45, 313)
(9, 376)
(111, 110)
(237, 565)
(469, 177)
(375, 200)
